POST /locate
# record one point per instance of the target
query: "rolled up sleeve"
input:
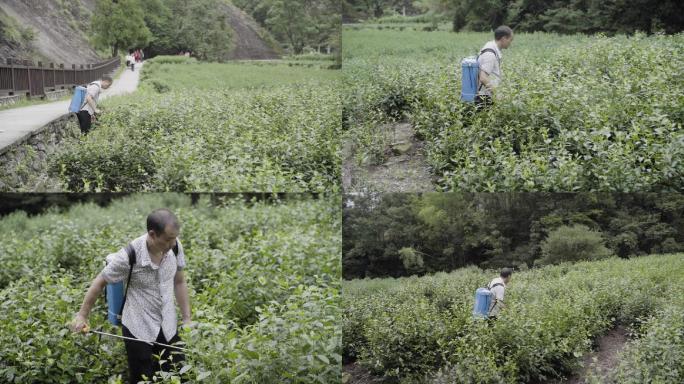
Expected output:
(180, 258)
(117, 267)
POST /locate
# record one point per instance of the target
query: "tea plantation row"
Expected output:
(572, 113)
(422, 329)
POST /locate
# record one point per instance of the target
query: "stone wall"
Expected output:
(24, 164)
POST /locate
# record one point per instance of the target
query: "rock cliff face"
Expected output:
(59, 29)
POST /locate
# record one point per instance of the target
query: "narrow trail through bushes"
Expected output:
(405, 169)
(599, 363)
(606, 358)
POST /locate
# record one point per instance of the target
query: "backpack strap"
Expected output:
(496, 285)
(492, 51)
(130, 251)
(478, 56)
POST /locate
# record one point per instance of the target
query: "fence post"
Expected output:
(11, 64)
(28, 72)
(42, 77)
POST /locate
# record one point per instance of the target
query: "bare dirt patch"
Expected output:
(405, 169)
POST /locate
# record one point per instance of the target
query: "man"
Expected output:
(149, 311)
(498, 287)
(87, 113)
(490, 65)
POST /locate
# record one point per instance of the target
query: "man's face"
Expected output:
(106, 84)
(165, 240)
(506, 41)
(507, 280)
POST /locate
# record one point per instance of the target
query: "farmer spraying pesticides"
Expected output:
(481, 75)
(489, 301)
(153, 267)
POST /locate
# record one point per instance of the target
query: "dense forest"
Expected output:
(203, 26)
(573, 16)
(405, 234)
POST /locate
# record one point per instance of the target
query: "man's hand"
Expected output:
(79, 324)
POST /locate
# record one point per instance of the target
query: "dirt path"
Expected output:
(355, 374)
(404, 171)
(600, 363)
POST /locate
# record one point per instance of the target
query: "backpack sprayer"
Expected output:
(470, 76)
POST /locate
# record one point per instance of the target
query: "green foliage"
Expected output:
(184, 131)
(403, 234)
(422, 329)
(298, 23)
(179, 72)
(575, 243)
(263, 279)
(119, 25)
(656, 357)
(607, 120)
(574, 16)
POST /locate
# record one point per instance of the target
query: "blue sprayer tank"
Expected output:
(470, 71)
(483, 300)
(115, 294)
(78, 99)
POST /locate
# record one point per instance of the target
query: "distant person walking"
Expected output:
(498, 288)
(489, 62)
(131, 60)
(89, 110)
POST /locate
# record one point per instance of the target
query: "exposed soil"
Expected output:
(248, 44)
(405, 169)
(601, 362)
(353, 373)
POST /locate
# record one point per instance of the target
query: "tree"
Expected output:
(119, 25)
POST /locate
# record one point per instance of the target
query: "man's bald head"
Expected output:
(159, 219)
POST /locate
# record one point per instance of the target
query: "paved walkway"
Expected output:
(17, 123)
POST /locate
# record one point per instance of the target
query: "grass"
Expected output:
(224, 76)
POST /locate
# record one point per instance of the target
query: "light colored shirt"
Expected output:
(498, 295)
(491, 65)
(150, 304)
(93, 90)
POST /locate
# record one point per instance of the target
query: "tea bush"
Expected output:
(263, 280)
(422, 329)
(607, 119)
(191, 140)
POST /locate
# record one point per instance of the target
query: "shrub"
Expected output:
(576, 243)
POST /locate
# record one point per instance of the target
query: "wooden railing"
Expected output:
(21, 77)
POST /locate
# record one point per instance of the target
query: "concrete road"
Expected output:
(17, 123)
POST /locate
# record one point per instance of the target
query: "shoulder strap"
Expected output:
(495, 285)
(490, 50)
(175, 249)
(130, 251)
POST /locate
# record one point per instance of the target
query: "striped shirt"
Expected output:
(150, 304)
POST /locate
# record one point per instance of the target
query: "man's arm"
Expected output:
(181, 291)
(91, 102)
(81, 318)
(485, 80)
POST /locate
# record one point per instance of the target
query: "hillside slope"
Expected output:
(248, 41)
(59, 28)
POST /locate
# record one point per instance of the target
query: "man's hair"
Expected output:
(505, 272)
(107, 78)
(158, 219)
(502, 31)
